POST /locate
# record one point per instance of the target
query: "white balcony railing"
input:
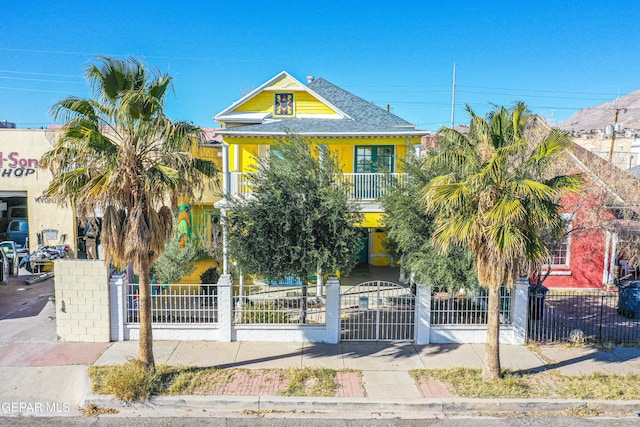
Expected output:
(360, 186)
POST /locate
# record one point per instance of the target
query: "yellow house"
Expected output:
(368, 140)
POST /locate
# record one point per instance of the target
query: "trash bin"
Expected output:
(629, 300)
(537, 294)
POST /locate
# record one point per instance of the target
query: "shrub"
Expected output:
(210, 276)
(130, 381)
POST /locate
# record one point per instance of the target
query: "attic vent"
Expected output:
(310, 79)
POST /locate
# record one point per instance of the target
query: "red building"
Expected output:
(600, 237)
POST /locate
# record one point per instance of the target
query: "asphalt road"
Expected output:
(19, 299)
(318, 421)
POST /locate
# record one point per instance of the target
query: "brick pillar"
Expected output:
(82, 301)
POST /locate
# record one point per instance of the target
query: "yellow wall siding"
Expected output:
(382, 259)
(343, 148)
(211, 192)
(285, 83)
(262, 102)
(371, 220)
(248, 158)
(304, 103)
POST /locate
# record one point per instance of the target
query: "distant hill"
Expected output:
(600, 116)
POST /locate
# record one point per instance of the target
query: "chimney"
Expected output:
(310, 79)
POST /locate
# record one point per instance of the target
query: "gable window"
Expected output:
(283, 105)
(374, 158)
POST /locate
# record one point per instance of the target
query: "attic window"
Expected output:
(283, 105)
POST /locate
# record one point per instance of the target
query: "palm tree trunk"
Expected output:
(491, 365)
(146, 338)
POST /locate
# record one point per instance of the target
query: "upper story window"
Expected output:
(283, 105)
(374, 158)
(560, 250)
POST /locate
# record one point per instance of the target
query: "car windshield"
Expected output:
(19, 226)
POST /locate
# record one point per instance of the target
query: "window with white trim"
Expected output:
(560, 250)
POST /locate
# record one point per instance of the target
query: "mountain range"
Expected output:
(601, 115)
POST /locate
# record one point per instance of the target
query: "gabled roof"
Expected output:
(354, 116)
(622, 186)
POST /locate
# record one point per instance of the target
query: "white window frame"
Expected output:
(568, 227)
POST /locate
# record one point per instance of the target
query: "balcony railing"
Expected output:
(360, 186)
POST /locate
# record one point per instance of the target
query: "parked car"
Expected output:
(18, 231)
(13, 254)
(4, 270)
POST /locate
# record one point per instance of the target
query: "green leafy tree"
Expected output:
(297, 220)
(175, 262)
(119, 152)
(409, 228)
(496, 200)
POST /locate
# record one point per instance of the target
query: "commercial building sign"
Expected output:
(13, 165)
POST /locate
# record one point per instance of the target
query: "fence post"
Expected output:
(117, 290)
(423, 314)
(520, 304)
(332, 307)
(225, 303)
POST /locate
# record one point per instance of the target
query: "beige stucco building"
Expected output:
(22, 182)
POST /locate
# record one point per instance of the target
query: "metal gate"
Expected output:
(377, 311)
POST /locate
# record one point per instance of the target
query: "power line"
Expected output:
(32, 90)
(37, 74)
(39, 80)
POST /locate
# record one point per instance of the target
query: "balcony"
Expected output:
(360, 186)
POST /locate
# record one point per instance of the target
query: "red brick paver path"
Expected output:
(349, 385)
(268, 382)
(431, 388)
(252, 383)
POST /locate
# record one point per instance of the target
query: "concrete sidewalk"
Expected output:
(39, 369)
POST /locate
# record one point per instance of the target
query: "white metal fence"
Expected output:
(373, 311)
(468, 308)
(369, 186)
(361, 186)
(175, 304)
(286, 305)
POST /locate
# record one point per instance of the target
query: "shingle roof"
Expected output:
(363, 118)
(357, 108)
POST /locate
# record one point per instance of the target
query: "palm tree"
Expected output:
(118, 152)
(496, 200)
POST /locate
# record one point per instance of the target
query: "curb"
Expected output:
(445, 406)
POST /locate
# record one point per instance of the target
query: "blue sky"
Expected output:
(557, 56)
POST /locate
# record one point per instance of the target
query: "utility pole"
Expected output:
(613, 131)
(453, 96)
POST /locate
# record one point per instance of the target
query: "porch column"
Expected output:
(332, 308)
(613, 255)
(423, 314)
(225, 238)
(605, 263)
(226, 176)
(225, 302)
(519, 311)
